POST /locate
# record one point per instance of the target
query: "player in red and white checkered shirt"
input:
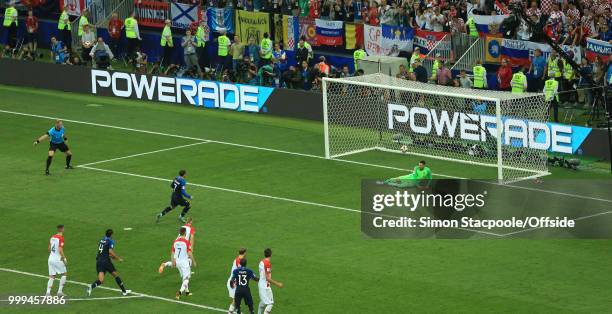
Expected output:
(189, 235)
(57, 261)
(182, 259)
(266, 299)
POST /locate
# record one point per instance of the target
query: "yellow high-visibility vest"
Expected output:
(480, 75)
(550, 89)
(8, 17)
(223, 45)
(266, 48)
(568, 70)
(472, 25)
(167, 32)
(201, 37)
(61, 24)
(130, 27)
(434, 69)
(358, 55)
(518, 83)
(82, 21)
(553, 68)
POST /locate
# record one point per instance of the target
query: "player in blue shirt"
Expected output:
(240, 280)
(57, 140)
(106, 248)
(179, 197)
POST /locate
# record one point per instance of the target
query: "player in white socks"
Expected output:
(189, 235)
(230, 289)
(57, 261)
(266, 300)
(182, 258)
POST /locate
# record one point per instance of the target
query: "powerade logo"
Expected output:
(554, 137)
(207, 94)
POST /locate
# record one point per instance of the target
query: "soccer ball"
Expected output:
(404, 148)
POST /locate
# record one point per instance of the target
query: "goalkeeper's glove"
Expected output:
(36, 142)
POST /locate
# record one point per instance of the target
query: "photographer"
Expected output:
(58, 51)
(101, 54)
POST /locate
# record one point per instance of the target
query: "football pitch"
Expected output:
(258, 182)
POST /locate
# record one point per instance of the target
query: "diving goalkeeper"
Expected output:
(420, 177)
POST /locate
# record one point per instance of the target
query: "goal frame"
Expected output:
(499, 165)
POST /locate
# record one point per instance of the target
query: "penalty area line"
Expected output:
(142, 154)
(143, 295)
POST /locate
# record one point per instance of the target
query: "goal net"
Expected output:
(383, 113)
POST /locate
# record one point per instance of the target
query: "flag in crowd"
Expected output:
(184, 14)
(427, 40)
(353, 34)
(329, 33)
(73, 7)
(291, 32)
(501, 8)
(597, 48)
(221, 18)
(252, 24)
(486, 24)
(152, 13)
(396, 39)
(518, 52)
(308, 29)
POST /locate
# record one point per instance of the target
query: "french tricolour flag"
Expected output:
(329, 33)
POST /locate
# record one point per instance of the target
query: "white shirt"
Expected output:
(264, 268)
(235, 265)
(55, 243)
(180, 248)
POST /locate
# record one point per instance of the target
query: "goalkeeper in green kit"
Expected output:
(420, 177)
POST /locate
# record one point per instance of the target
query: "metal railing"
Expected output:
(475, 52)
(101, 10)
(460, 43)
(442, 49)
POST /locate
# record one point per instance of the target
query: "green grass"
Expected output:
(319, 252)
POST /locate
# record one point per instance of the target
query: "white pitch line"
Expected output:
(206, 307)
(225, 189)
(293, 153)
(106, 298)
(142, 154)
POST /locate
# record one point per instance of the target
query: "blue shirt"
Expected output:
(104, 246)
(241, 277)
(178, 187)
(538, 64)
(253, 52)
(609, 74)
(56, 136)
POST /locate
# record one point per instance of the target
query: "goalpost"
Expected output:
(383, 113)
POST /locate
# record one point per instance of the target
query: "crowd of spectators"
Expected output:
(266, 63)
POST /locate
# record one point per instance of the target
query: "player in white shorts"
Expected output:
(230, 289)
(189, 235)
(182, 259)
(57, 261)
(266, 299)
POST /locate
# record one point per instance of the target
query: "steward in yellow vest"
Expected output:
(480, 76)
